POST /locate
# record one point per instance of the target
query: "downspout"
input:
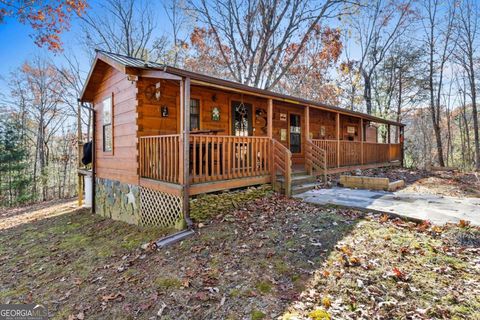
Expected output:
(93, 150)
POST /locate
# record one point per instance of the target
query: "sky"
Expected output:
(18, 46)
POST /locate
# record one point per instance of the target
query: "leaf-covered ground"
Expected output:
(270, 258)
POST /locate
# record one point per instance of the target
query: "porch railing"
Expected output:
(375, 152)
(395, 151)
(282, 163)
(350, 153)
(160, 157)
(330, 147)
(214, 158)
(316, 159)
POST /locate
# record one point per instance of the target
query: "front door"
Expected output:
(242, 119)
(295, 133)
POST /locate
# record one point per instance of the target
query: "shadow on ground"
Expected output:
(252, 262)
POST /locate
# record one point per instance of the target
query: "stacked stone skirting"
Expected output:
(137, 205)
(118, 201)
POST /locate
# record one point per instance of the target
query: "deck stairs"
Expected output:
(301, 182)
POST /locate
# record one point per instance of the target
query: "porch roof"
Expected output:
(131, 65)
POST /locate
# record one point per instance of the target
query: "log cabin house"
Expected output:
(163, 135)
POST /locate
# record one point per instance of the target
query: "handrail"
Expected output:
(282, 161)
(316, 159)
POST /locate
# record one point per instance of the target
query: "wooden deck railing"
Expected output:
(350, 153)
(375, 152)
(160, 157)
(395, 152)
(330, 147)
(316, 159)
(215, 158)
(282, 162)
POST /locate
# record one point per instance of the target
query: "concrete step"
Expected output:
(299, 173)
(298, 180)
(303, 188)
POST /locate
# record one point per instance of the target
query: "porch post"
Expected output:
(270, 118)
(338, 139)
(361, 140)
(389, 141)
(388, 134)
(185, 160)
(180, 132)
(307, 138)
(402, 155)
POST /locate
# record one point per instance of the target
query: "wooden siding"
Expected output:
(278, 124)
(150, 120)
(120, 164)
(152, 123)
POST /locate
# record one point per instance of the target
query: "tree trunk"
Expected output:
(367, 92)
(433, 110)
(473, 90)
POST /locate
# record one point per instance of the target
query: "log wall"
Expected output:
(120, 164)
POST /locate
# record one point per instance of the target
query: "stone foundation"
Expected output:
(118, 201)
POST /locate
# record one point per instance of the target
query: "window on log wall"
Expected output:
(107, 125)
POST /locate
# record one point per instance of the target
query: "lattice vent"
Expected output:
(159, 209)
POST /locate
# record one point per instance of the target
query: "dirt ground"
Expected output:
(446, 183)
(270, 258)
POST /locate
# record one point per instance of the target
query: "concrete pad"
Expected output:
(437, 209)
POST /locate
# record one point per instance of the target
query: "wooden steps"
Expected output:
(301, 182)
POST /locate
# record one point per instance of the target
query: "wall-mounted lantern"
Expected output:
(164, 111)
(215, 114)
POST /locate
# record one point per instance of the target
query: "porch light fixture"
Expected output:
(215, 114)
(164, 111)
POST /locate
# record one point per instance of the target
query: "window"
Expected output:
(107, 125)
(194, 114)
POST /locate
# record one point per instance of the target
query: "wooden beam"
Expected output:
(389, 141)
(307, 122)
(307, 138)
(338, 139)
(159, 75)
(270, 118)
(388, 133)
(214, 186)
(181, 131)
(402, 151)
(161, 186)
(186, 147)
(361, 140)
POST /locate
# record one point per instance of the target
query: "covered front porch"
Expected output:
(200, 137)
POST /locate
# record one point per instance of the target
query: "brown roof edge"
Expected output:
(273, 95)
(128, 62)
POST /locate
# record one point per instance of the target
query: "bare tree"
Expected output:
(258, 41)
(37, 87)
(378, 25)
(439, 44)
(467, 29)
(124, 27)
(179, 21)
(72, 83)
